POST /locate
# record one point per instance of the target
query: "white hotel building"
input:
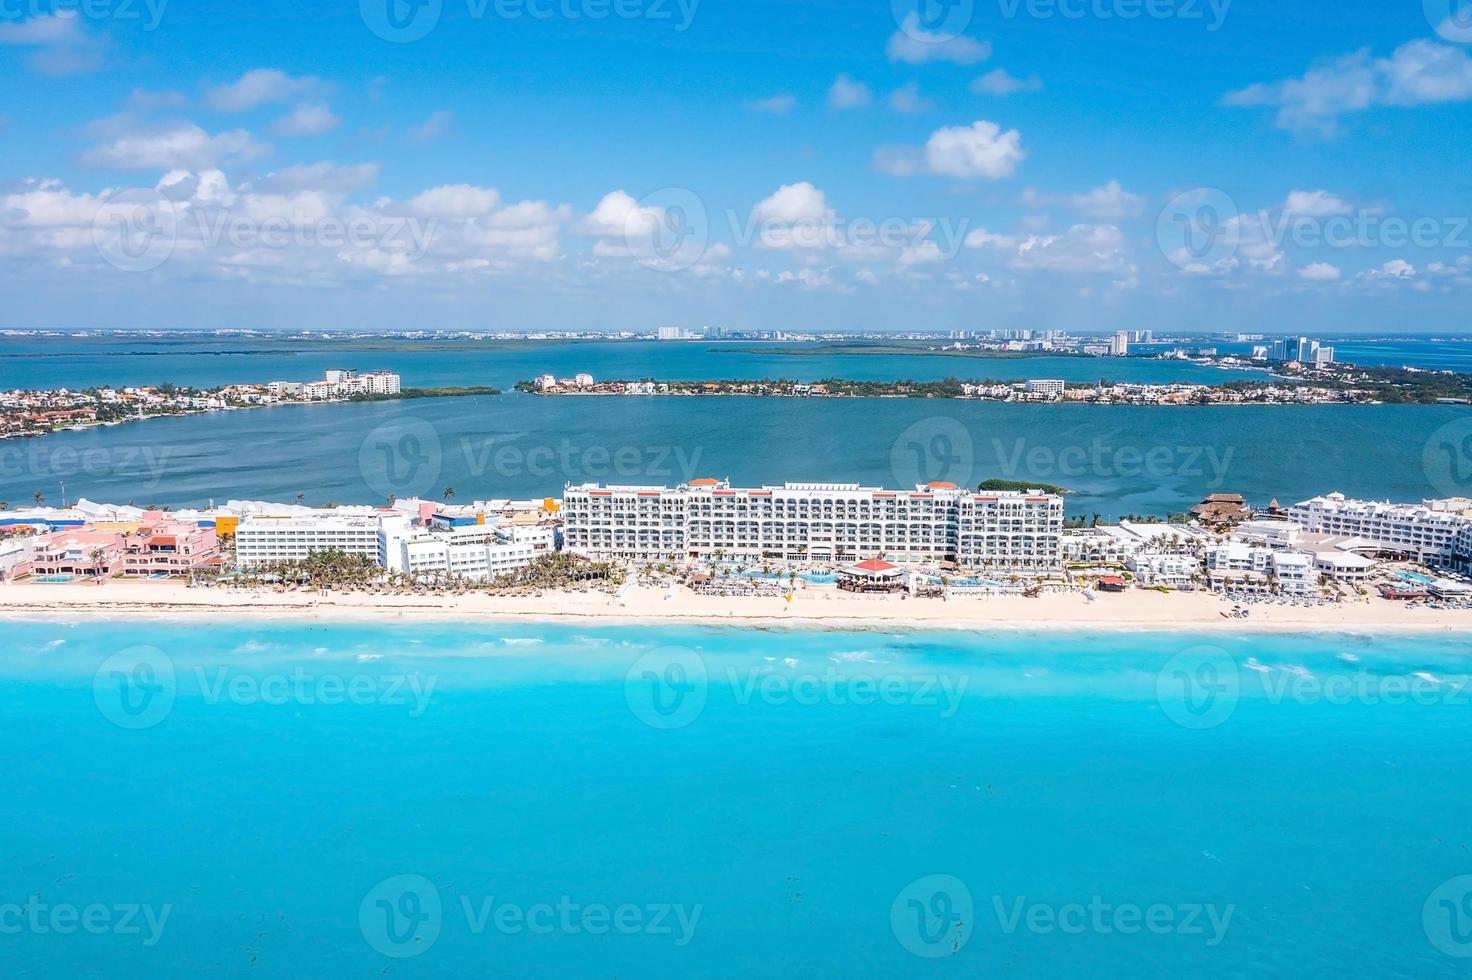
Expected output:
(260, 539)
(815, 522)
(1427, 532)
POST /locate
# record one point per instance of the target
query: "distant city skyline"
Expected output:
(587, 165)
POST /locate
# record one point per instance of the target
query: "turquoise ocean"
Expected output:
(470, 800)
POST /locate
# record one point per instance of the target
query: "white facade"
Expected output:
(473, 554)
(1237, 563)
(709, 519)
(1171, 571)
(1430, 535)
(1046, 387)
(262, 539)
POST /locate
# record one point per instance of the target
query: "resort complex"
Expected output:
(708, 520)
(933, 539)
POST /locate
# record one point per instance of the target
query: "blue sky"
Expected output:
(1084, 164)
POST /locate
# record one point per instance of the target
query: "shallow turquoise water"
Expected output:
(791, 792)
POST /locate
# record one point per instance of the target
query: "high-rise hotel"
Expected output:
(816, 522)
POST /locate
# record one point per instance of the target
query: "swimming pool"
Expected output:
(54, 579)
(1415, 577)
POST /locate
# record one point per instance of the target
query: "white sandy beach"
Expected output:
(809, 608)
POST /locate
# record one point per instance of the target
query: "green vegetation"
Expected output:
(1021, 486)
(559, 570)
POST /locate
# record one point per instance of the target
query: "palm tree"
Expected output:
(300, 498)
(4, 505)
(449, 493)
(39, 498)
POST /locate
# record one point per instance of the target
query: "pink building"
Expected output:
(169, 549)
(78, 552)
(154, 549)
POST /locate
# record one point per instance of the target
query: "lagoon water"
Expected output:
(349, 801)
(1116, 461)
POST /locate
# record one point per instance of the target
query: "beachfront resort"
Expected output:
(708, 536)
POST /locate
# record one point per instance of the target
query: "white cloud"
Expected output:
(846, 93)
(999, 81)
(1108, 203)
(324, 175)
(258, 87)
(1418, 72)
(1083, 248)
(777, 105)
(907, 99)
(1395, 269)
(914, 45)
(455, 201)
(1320, 272)
(792, 203)
(979, 150)
(981, 238)
(61, 46)
(1314, 204)
(618, 215)
(185, 146)
(307, 119)
(437, 125)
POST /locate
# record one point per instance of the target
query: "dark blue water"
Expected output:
(1116, 460)
(807, 826)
